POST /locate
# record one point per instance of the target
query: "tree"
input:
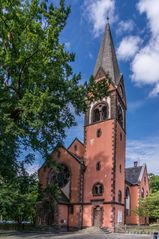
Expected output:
(154, 183)
(37, 86)
(149, 207)
(18, 199)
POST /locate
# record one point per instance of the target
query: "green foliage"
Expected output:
(154, 183)
(149, 207)
(18, 199)
(38, 88)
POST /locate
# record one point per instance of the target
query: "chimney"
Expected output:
(135, 164)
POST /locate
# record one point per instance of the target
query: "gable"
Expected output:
(100, 74)
(77, 148)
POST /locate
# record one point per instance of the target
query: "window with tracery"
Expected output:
(100, 112)
(98, 189)
(60, 177)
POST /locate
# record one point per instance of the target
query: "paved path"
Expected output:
(77, 235)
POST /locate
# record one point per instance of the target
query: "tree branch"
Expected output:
(23, 66)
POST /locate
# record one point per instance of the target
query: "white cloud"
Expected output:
(145, 65)
(97, 11)
(144, 151)
(125, 26)
(128, 47)
(155, 91)
(151, 8)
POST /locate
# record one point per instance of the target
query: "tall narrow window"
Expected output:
(96, 115)
(75, 147)
(120, 196)
(142, 192)
(127, 195)
(120, 116)
(120, 168)
(104, 113)
(98, 166)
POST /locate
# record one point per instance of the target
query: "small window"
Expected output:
(98, 189)
(120, 196)
(75, 147)
(99, 133)
(98, 166)
(121, 137)
(147, 193)
(71, 209)
(120, 168)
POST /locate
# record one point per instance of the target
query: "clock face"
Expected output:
(61, 177)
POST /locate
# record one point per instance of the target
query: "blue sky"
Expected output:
(135, 30)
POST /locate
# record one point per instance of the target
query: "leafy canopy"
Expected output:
(149, 207)
(38, 88)
(154, 183)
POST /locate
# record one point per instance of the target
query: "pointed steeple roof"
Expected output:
(107, 59)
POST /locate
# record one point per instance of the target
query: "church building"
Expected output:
(95, 187)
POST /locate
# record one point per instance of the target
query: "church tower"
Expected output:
(105, 136)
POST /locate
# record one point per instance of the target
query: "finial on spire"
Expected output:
(107, 19)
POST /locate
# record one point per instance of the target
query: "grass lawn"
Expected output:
(143, 229)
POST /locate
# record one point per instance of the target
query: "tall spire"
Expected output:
(107, 59)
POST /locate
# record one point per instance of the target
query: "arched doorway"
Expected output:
(97, 216)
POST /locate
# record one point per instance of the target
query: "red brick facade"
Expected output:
(92, 185)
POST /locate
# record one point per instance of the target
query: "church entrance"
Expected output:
(97, 216)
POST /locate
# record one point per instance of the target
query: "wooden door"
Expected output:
(97, 217)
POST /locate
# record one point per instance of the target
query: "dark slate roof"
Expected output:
(133, 174)
(107, 59)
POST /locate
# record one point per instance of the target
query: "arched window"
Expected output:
(127, 195)
(100, 112)
(98, 189)
(142, 193)
(120, 116)
(120, 196)
(96, 116)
